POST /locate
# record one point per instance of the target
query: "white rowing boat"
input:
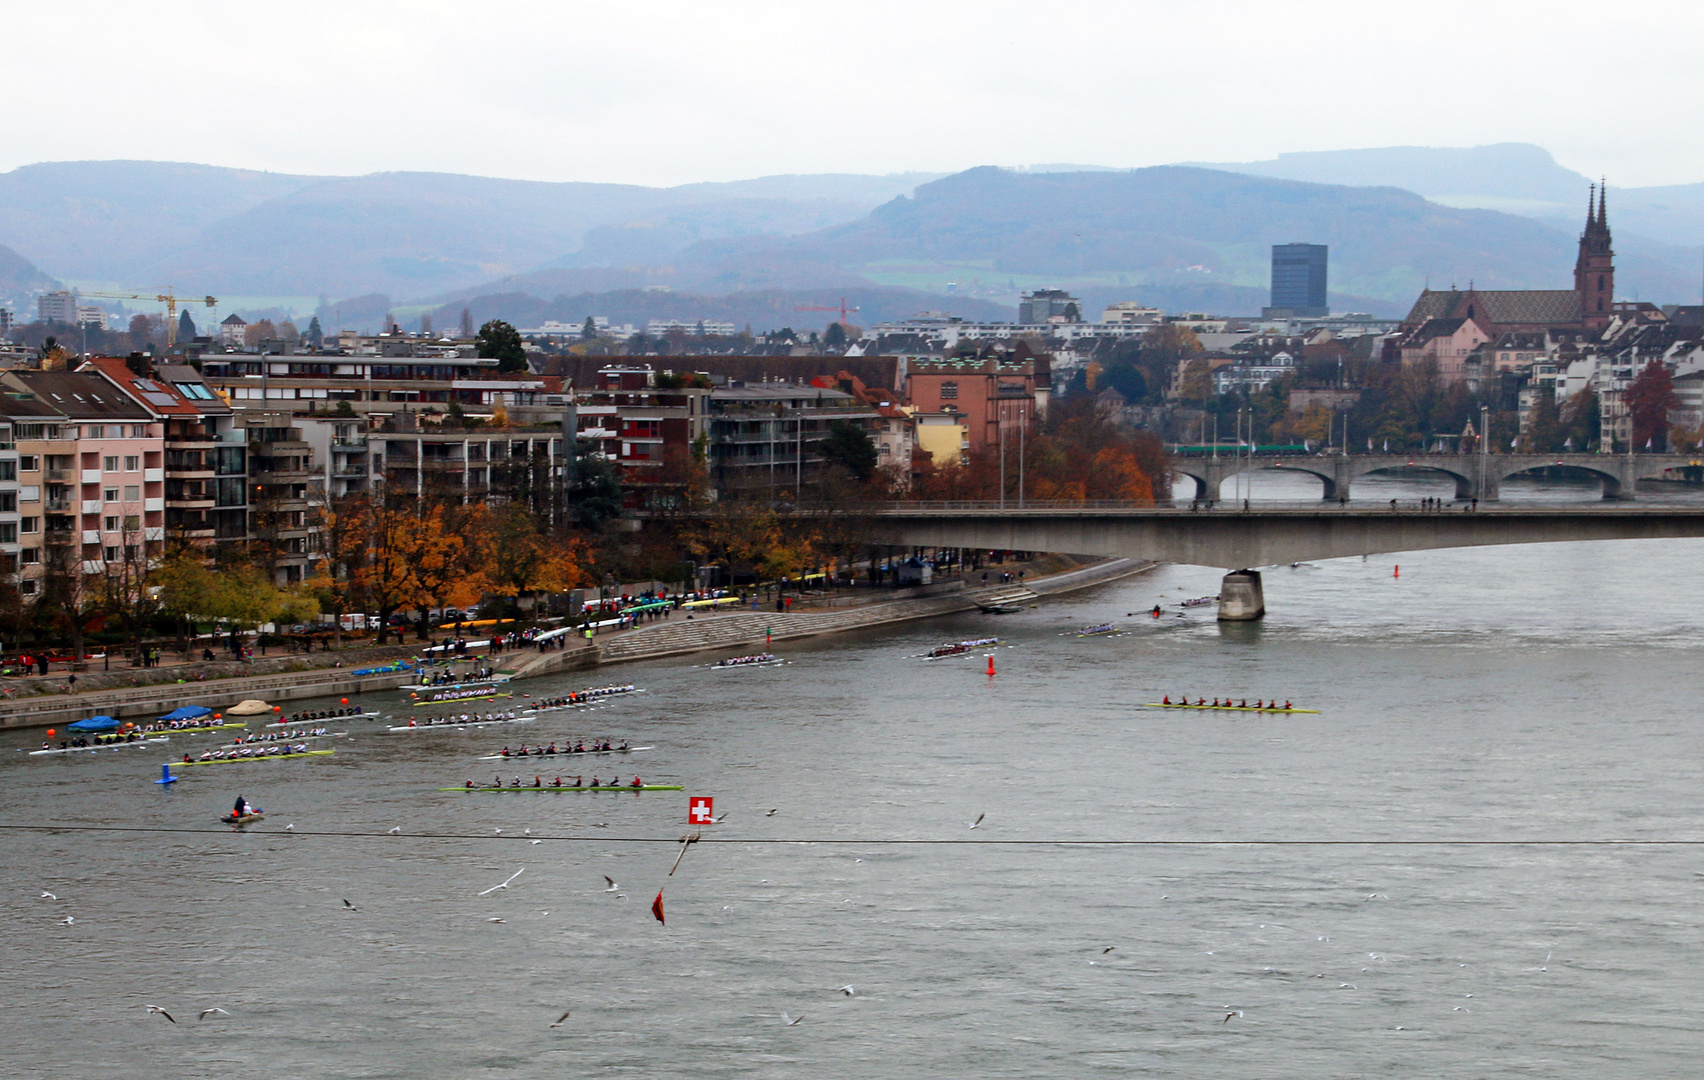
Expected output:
(293, 737)
(563, 754)
(368, 715)
(466, 684)
(98, 749)
(457, 725)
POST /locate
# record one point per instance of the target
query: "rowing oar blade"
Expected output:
(685, 842)
(657, 907)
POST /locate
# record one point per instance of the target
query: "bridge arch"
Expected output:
(1467, 487)
(1331, 487)
(1611, 482)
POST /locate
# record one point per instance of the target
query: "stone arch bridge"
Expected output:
(1476, 476)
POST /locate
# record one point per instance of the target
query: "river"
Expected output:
(1404, 884)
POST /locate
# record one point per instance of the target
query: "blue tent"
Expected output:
(187, 712)
(94, 723)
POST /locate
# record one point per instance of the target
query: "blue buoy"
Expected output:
(166, 776)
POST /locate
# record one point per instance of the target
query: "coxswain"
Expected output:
(186, 759)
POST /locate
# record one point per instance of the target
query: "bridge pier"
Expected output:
(1241, 597)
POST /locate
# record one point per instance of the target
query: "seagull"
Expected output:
(561, 1018)
(724, 817)
(48, 896)
(348, 905)
(1233, 1012)
(290, 827)
(772, 812)
(789, 1021)
(612, 885)
(156, 1009)
(505, 884)
(1108, 949)
(205, 1013)
(527, 832)
(978, 820)
(535, 841)
(68, 921)
(496, 832)
(847, 990)
(396, 830)
(494, 919)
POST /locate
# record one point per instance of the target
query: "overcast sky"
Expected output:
(659, 92)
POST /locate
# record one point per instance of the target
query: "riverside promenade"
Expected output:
(42, 702)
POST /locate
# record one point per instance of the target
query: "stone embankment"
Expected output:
(743, 629)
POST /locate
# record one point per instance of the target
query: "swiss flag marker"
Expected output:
(700, 809)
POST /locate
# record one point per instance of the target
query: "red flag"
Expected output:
(700, 809)
(657, 907)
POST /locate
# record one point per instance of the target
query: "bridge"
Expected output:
(1476, 476)
(1266, 534)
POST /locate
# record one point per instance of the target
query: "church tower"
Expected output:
(1594, 271)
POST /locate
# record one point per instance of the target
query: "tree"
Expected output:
(835, 336)
(186, 587)
(186, 327)
(501, 342)
(315, 337)
(590, 330)
(1544, 424)
(1650, 399)
(849, 446)
(594, 496)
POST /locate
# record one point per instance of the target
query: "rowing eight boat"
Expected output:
(565, 787)
(1225, 708)
(99, 747)
(253, 757)
(456, 725)
(562, 753)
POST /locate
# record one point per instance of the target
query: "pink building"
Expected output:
(1448, 343)
(96, 475)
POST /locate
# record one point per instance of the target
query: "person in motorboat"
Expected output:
(241, 809)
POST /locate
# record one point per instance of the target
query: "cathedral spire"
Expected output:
(1603, 203)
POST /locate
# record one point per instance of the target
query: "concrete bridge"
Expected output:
(1476, 476)
(1265, 535)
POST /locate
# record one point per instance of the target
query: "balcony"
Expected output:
(91, 476)
(153, 475)
(358, 447)
(91, 536)
(63, 475)
(93, 506)
(155, 503)
(58, 506)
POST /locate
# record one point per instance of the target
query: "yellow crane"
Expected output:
(168, 298)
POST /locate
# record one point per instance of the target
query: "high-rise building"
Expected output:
(1044, 305)
(57, 307)
(1298, 281)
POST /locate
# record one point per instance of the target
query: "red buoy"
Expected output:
(990, 663)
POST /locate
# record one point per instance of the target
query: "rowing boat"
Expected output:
(458, 700)
(456, 725)
(1225, 708)
(97, 749)
(232, 819)
(253, 757)
(368, 715)
(466, 684)
(192, 730)
(1097, 631)
(562, 753)
(565, 787)
(284, 737)
(767, 661)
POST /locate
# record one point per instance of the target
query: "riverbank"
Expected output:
(124, 695)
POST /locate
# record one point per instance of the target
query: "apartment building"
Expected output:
(286, 496)
(21, 416)
(98, 471)
(766, 437)
(994, 395)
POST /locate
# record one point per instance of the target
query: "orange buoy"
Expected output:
(990, 663)
(1396, 572)
(343, 701)
(50, 733)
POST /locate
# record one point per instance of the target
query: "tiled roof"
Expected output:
(80, 395)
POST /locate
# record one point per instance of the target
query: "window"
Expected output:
(111, 554)
(96, 431)
(130, 553)
(8, 470)
(109, 463)
(138, 431)
(132, 523)
(27, 588)
(110, 494)
(949, 391)
(111, 523)
(30, 555)
(132, 492)
(8, 533)
(28, 462)
(132, 463)
(8, 502)
(30, 524)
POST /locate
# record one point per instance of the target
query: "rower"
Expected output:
(624, 746)
(558, 782)
(516, 782)
(538, 781)
(1215, 703)
(1166, 700)
(1286, 705)
(595, 781)
(469, 784)
(638, 783)
(1244, 704)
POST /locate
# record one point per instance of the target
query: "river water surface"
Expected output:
(1405, 884)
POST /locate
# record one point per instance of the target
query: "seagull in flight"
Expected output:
(152, 1009)
(205, 1013)
(790, 1021)
(724, 817)
(48, 896)
(561, 1018)
(69, 921)
(847, 990)
(535, 841)
(290, 827)
(772, 812)
(505, 884)
(978, 820)
(613, 887)
(1108, 949)
(494, 919)
(396, 830)
(348, 905)
(1233, 1012)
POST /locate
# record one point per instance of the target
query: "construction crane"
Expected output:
(168, 298)
(843, 309)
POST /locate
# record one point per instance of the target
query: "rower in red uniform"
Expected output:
(1166, 700)
(638, 783)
